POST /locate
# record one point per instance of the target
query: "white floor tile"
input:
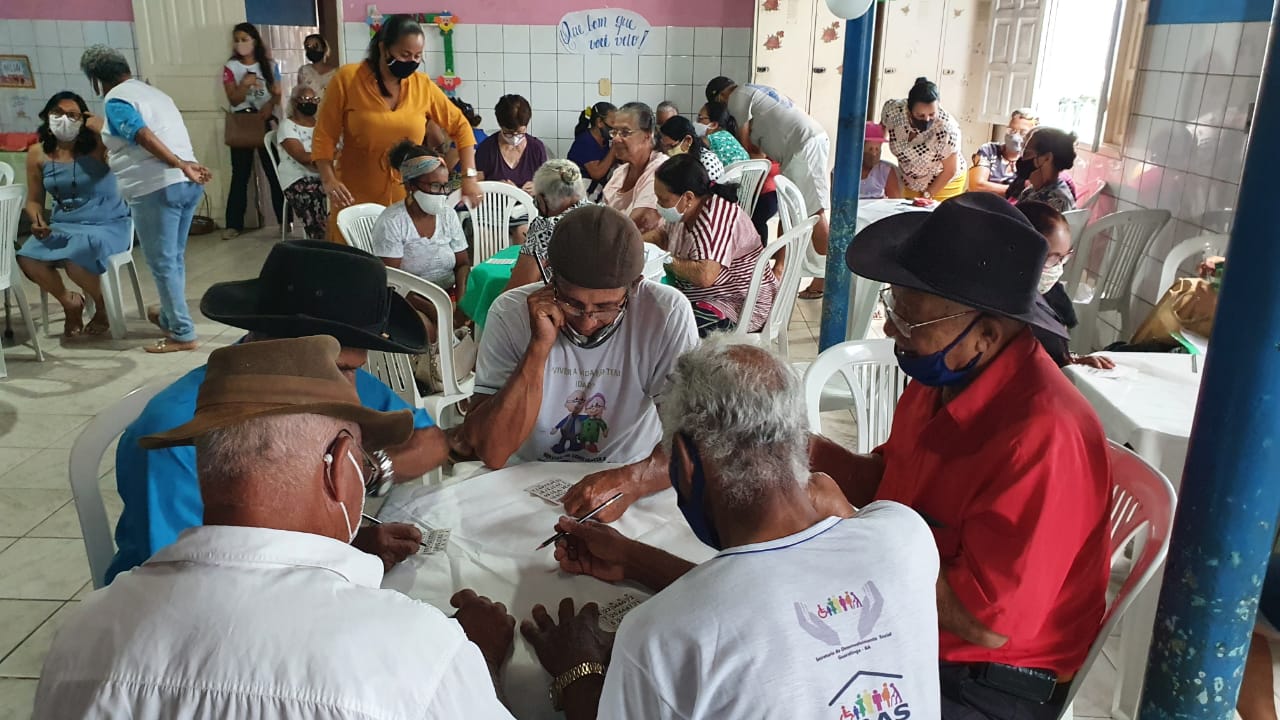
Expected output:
(20, 618)
(44, 469)
(43, 569)
(23, 509)
(16, 698)
(25, 662)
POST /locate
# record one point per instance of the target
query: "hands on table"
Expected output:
(598, 487)
(390, 542)
(487, 624)
(1094, 361)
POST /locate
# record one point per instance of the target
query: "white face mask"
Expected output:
(64, 128)
(671, 214)
(243, 48)
(1050, 277)
(701, 129)
(1013, 143)
(430, 204)
(353, 527)
(513, 140)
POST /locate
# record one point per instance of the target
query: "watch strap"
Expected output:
(569, 677)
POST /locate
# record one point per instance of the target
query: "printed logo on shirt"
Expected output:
(843, 618)
(582, 430)
(777, 96)
(871, 696)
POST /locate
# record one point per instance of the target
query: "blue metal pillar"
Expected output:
(855, 83)
(1230, 494)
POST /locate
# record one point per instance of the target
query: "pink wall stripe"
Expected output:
(701, 13)
(67, 10)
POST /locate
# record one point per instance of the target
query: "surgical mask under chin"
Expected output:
(64, 128)
(671, 214)
(694, 507)
(352, 527)
(595, 339)
(513, 140)
(1013, 143)
(932, 369)
(1050, 277)
(401, 68)
(430, 204)
(701, 129)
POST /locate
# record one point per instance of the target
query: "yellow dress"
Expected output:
(354, 112)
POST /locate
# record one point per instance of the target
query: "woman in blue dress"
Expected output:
(89, 223)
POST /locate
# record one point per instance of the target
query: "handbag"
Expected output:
(426, 367)
(244, 129)
(1188, 305)
(202, 224)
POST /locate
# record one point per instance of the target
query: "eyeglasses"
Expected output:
(433, 188)
(1055, 259)
(904, 327)
(305, 99)
(704, 119)
(59, 113)
(369, 467)
(605, 314)
(623, 133)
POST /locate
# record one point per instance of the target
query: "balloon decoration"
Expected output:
(445, 22)
(849, 9)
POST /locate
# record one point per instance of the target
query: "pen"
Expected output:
(584, 518)
(376, 521)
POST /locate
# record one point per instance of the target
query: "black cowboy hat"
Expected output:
(975, 249)
(311, 287)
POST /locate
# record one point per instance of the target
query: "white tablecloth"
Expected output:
(1148, 402)
(496, 526)
(869, 211)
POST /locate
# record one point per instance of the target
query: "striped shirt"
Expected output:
(725, 234)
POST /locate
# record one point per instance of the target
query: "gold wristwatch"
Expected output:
(569, 677)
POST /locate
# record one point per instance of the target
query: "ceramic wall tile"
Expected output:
(516, 67)
(625, 69)
(544, 67)
(1226, 48)
(1158, 142)
(120, 34)
(656, 44)
(706, 68)
(1175, 50)
(569, 68)
(1253, 47)
(680, 70)
(737, 42)
(1182, 142)
(1135, 145)
(1187, 108)
(1206, 150)
(1213, 101)
(1240, 102)
(1230, 158)
(515, 39)
(1157, 41)
(680, 41)
(708, 42)
(70, 34)
(1200, 48)
(542, 39)
(652, 70)
(46, 33)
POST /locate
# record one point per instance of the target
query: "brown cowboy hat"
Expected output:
(282, 377)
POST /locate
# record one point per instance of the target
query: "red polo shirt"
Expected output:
(1015, 470)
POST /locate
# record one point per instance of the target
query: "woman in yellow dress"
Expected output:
(372, 105)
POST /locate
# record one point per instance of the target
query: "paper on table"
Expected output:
(1119, 372)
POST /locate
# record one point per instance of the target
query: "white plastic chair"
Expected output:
(865, 294)
(872, 384)
(773, 335)
(356, 224)
(274, 150)
(6, 174)
(750, 176)
(112, 293)
(1131, 233)
(86, 458)
(1142, 499)
(491, 220)
(1090, 196)
(12, 199)
(1186, 250)
(1077, 221)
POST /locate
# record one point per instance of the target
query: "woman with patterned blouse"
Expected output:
(926, 141)
(1049, 151)
(557, 189)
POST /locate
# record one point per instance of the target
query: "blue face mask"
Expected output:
(932, 369)
(693, 507)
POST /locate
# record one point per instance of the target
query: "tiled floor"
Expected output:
(43, 406)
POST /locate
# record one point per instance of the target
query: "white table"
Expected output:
(496, 526)
(869, 211)
(1148, 403)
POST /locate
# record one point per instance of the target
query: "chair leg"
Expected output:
(284, 220)
(112, 296)
(44, 313)
(137, 290)
(28, 320)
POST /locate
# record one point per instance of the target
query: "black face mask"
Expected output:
(401, 68)
(921, 125)
(315, 56)
(307, 108)
(1024, 167)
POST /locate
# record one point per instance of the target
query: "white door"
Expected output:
(182, 45)
(913, 34)
(825, 71)
(1013, 54)
(784, 47)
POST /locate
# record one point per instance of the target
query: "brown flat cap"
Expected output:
(282, 377)
(596, 247)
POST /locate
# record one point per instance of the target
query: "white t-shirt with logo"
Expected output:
(837, 622)
(597, 404)
(234, 71)
(291, 171)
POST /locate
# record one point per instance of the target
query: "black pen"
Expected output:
(584, 518)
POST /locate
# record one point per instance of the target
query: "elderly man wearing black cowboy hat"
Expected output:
(569, 370)
(995, 448)
(305, 288)
(266, 611)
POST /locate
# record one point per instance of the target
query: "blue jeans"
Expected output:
(163, 219)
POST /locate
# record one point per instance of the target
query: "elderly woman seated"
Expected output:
(630, 188)
(557, 189)
(714, 247)
(679, 137)
(1048, 152)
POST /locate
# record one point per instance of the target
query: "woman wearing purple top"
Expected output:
(512, 155)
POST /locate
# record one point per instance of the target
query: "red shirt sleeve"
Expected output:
(1046, 498)
(228, 77)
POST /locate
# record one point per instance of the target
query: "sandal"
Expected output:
(99, 325)
(169, 345)
(810, 294)
(153, 316)
(73, 322)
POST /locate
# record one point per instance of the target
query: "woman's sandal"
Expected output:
(169, 345)
(810, 295)
(73, 323)
(153, 316)
(99, 325)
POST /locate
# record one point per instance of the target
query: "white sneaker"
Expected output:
(230, 233)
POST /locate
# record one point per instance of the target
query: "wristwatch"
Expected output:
(383, 476)
(469, 173)
(569, 677)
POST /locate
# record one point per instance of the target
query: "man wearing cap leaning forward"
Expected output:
(596, 343)
(266, 611)
(304, 288)
(993, 446)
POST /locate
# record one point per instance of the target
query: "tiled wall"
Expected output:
(55, 47)
(494, 60)
(1186, 139)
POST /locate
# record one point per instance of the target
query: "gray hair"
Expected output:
(646, 121)
(743, 408)
(297, 91)
(559, 181)
(104, 64)
(668, 105)
(278, 449)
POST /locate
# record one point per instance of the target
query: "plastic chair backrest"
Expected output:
(865, 294)
(356, 224)
(269, 142)
(1077, 221)
(1141, 500)
(873, 380)
(86, 458)
(790, 204)
(405, 283)
(774, 330)
(1186, 250)
(6, 174)
(12, 199)
(1091, 195)
(491, 221)
(750, 176)
(1131, 233)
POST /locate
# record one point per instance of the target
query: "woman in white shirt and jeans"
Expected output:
(422, 234)
(251, 80)
(298, 174)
